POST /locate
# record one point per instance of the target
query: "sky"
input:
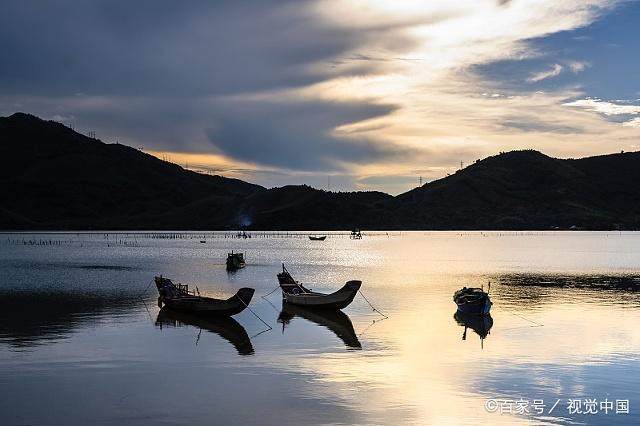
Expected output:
(346, 95)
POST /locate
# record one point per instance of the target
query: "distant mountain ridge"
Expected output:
(54, 178)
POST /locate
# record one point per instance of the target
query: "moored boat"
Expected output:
(472, 301)
(179, 298)
(235, 261)
(317, 237)
(297, 294)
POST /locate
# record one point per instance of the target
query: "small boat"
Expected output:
(226, 327)
(203, 241)
(179, 298)
(336, 321)
(295, 293)
(235, 261)
(472, 301)
(317, 237)
(356, 234)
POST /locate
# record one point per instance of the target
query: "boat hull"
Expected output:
(210, 306)
(480, 307)
(336, 300)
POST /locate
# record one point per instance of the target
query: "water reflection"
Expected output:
(226, 327)
(602, 282)
(336, 321)
(32, 318)
(480, 324)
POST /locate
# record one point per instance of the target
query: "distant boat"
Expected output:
(336, 321)
(356, 234)
(317, 237)
(295, 293)
(472, 301)
(203, 241)
(243, 234)
(179, 298)
(225, 327)
(235, 261)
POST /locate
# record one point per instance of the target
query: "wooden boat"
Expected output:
(235, 261)
(226, 327)
(472, 301)
(336, 321)
(297, 294)
(179, 298)
(317, 237)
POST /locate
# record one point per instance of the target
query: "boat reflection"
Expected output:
(480, 324)
(335, 320)
(225, 327)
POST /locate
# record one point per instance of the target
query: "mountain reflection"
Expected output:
(533, 290)
(225, 327)
(32, 318)
(604, 282)
(336, 321)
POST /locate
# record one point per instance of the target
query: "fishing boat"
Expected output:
(472, 301)
(336, 321)
(226, 327)
(295, 293)
(179, 298)
(235, 261)
(317, 237)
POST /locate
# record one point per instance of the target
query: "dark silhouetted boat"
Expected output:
(317, 237)
(225, 327)
(235, 261)
(472, 301)
(297, 294)
(356, 234)
(179, 298)
(336, 321)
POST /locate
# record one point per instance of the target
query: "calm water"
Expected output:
(82, 340)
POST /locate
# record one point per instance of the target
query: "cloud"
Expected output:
(304, 88)
(604, 107)
(635, 122)
(578, 66)
(554, 71)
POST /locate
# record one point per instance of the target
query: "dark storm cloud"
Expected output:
(163, 47)
(295, 135)
(157, 73)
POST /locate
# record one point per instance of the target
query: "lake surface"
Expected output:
(82, 340)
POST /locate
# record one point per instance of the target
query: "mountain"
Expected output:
(54, 178)
(528, 190)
